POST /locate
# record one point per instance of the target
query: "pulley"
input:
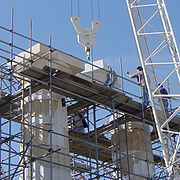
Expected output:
(86, 36)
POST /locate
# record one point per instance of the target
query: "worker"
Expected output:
(111, 78)
(162, 90)
(141, 82)
(79, 121)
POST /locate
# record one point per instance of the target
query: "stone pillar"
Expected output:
(41, 119)
(136, 149)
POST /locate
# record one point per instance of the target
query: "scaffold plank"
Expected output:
(84, 92)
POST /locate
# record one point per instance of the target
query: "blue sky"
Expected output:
(52, 18)
(115, 38)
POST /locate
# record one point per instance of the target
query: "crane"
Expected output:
(158, 52)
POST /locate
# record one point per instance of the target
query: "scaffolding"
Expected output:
(98, 153)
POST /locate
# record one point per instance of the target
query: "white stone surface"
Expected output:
(60, 60)
(42, 173)
(100, 73)
(134, 132)
(41, 118)
(139, 168)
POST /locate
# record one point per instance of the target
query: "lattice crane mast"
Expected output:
(160, 59)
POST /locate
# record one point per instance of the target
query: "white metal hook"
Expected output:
(86, 36)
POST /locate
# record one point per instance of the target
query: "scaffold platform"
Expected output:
(85, 93)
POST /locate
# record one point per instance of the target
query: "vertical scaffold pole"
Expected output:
(0, 125)
(10, 103)
(116, 135)
(96, 141)
(30, 104)
(50, 108)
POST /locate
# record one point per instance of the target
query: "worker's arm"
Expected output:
(131, 75)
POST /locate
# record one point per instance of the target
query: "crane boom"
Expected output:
(160, 59)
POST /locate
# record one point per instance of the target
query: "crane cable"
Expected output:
(98, 9)
(90, 56)
(92, 11)
(78, 6)
(71, 9)
(99, 13)
(92, 14)
(91, 49)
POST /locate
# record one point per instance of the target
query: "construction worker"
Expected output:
(141, 82)
(162, 90)
(111, 78)
(79, 121)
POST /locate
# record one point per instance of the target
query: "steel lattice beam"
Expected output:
(160, 59)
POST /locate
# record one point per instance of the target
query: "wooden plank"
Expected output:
(86, 150)
(83, 90)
